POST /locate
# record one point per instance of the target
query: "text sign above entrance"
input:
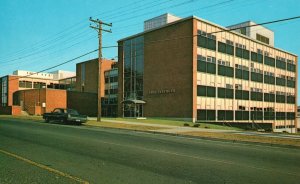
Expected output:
(162, 91)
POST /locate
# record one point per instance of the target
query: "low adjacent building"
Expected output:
(22, 80)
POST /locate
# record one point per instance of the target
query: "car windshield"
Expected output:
(72, 111)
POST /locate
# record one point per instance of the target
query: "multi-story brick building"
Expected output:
(194, 69)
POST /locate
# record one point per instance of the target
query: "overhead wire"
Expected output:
(215, 32)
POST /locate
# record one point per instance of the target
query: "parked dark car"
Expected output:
(65, 116)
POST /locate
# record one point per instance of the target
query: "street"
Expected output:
(34, 152)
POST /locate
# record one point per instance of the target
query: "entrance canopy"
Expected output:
(133, 102)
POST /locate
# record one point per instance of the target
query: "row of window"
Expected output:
(111, 79)
(111, 91)
(227, 71)
(209, 91)
(221, 115)
(209, 42)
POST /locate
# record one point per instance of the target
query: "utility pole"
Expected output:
(98, 27)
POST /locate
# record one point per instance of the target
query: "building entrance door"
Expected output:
(133, 108)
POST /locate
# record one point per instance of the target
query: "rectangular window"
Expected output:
(211, 68)
(203, 114)
(290, 99)
(280, 98)
(221, 93)
(253, 56)
(269, 61)
(256, 115)
(257, 77)
(260, 58)
(208, 91)
(211, 44)
(205, 42)
(225, 115)
(262, 38)
(280, 81)
(242, 94)
(245, 54)
(222, 47)
(201, 90)
(225, 71)
(238, 73)
(291, 67)
(269, 79)
(229, 49)
(280, 116)
(290, 83)
(257, 96)
(239, 52)
(280, 64)
(201, 66)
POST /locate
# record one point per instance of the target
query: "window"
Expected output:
(269, 115)
(257, 77)
(241, 53)
(269, 79)
(280, 81)
(257, 96)
(290, 83)
(225, 93)
(208, 91)
(242, 94)
(225, 48)
(291, 67)
(225, 71)
(290, 115)
(290, 99)
(206, 65)
(225, 115)
(241, 74)
(280, 98)
(207, 41)
(256, 115)
(269, 61)
(203, 114)
(262, 38)
(269, 97)
(241, 115)
(280, 116)
(280, 63)
(256, 57)
(4, 90)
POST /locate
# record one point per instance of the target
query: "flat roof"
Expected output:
(208, 22)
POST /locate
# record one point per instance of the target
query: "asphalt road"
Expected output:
(32, 152)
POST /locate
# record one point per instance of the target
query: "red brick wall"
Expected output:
(91, 75)
(34, 98)
(84, 103)
(55, 99)
(169, 65)
(10, 110)
(13, 86)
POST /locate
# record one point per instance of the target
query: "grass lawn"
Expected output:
(173, 123)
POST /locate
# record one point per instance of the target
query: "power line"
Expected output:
(63, 31)
(60, 64)
(224, 30)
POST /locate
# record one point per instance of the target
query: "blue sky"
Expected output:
(37, 34)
